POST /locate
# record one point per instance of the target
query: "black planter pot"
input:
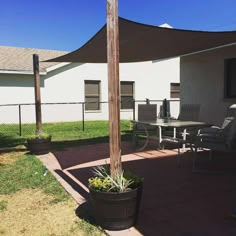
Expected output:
(116, 211)
(39, 146)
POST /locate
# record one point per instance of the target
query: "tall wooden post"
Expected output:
(113, 86)
(37, 94)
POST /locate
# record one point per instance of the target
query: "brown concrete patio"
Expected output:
(175, 201)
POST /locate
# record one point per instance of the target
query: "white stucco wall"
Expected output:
(66, 84)
(16, 88)
(202, 82)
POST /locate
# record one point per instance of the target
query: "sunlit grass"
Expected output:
(28, 172)
(31, 198)
(89, 229)
(63, 131)
(3, 205)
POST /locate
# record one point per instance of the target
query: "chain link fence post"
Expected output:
(83, 115)
(20, 123)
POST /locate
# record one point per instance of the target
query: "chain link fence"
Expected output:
(19, 119)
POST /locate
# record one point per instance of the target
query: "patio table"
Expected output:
(160, 123)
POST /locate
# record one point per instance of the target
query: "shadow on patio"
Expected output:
(175, 201)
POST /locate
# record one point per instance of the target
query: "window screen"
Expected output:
(174, 90)
(92, 95)
(230, 78)
(127, 95)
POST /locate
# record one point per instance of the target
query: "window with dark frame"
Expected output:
(92, 95)
(174, 90)
(127, 94)
(230, 78)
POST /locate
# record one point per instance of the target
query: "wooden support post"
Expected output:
(113, 86)
(37, 94)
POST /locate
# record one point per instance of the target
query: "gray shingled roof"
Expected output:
(21, 59)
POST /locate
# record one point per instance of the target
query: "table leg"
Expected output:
(145, 133)
(184, 138)
(134, 137)
(174, 136)
(160, 136)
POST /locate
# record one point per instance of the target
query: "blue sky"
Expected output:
(68, 24)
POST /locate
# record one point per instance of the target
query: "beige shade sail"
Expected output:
(140, 42)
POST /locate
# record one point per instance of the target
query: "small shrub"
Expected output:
(39, 136)
(103, 181)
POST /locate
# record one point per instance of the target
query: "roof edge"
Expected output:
(26, 72)
(193, 53)
(57, 66)
(209, 49)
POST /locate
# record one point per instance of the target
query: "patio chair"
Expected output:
(217, 138)
(188, 112)
(146, 112)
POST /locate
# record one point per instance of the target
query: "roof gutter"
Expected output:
(209, 49)
(22, 72)
(193, 53)
(57, 66)
(25, 72)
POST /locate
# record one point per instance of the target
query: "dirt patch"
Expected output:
(29, 212)
(8, 156)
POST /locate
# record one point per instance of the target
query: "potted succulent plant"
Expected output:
(115, 200)
(40, 143)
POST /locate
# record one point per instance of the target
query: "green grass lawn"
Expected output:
(32, 202)
(28, 172)
(30, 197)
(95, 131)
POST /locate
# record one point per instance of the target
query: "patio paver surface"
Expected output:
(175, 201)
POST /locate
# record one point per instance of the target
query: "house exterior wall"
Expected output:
(202, 82)
(66, 84)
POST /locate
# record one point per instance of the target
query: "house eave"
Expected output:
(21, 72)
(25, 72)
(208, 50)
(51, 68)
(197, 52)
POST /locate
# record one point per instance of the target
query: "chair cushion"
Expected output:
(189, 112)
(147, 112)
(212, 137)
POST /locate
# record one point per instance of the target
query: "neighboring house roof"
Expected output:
(20, 60)
(166, 25)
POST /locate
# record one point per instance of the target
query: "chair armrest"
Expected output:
(210, 130)
(216, 137)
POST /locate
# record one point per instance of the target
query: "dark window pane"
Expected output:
(92, 95)
(126, 88)
(92, 103)
(126, 102)
(230, 79)
(92, 88)
(174, 90)
(127, 94)
(175, 95)
(174, 86)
